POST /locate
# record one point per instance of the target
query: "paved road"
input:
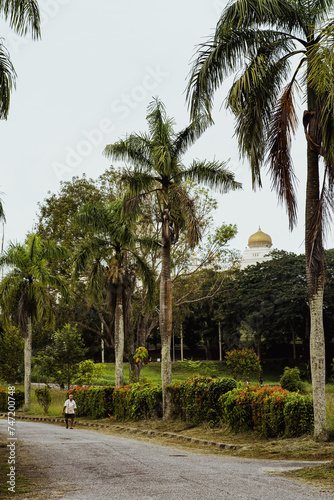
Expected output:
(85, 465)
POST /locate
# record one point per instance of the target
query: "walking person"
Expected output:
(70, 410)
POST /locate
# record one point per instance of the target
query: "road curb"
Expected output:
(134, 430)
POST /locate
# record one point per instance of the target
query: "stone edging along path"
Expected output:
(134, 430)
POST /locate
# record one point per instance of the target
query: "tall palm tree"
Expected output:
(23, 17)
(110, 257)
(28, 290)
(280, 47)
(158, 170)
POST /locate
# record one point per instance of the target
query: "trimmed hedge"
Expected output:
(137, 402)
(93, 402)
(18, 396)
(271, 411)
(197, 399)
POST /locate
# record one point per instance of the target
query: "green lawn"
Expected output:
(180, 370)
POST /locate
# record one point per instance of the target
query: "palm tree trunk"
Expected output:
(165, 316)
(119, 338)
(27, 363)
(315, 275)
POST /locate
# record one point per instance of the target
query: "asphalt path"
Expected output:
(86, 465)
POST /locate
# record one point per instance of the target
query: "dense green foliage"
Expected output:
(290, 380)
(243, 363)
(137, 402)
(93, 402)
(18, 396)
(11, 354)
(197, 399)
(44, 398)
(271, 411)
(60, 360)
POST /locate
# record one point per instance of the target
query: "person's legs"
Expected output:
(71, 423)
(66, 420)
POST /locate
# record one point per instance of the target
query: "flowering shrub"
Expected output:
(93, 402)
(137, 402)
(197, 398)
(271, 411)
(18, 395)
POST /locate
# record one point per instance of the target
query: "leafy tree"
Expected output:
(28, 290)
(11, 354)
(272, 299)
(23, 17)
(243, 363)
(263, 38)
(89, 372)
(61, 359)
(109, 255)
(158, 170)
(57, 221)
(57, 213)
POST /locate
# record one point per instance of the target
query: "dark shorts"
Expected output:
(69, 415)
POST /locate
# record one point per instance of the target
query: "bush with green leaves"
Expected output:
(11, 354)
(94, 402)
(60, 360)
(137, 402)
(17, 396)
(270, 411)
(243, 363)
(290, 380)
(89, 372)
(197, 398)
(43, 398)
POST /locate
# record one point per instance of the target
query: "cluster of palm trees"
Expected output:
(280, 48)
(107, 258)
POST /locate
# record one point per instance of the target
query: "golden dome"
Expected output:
(259, 239)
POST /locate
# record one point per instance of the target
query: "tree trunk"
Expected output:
(315, 275)
(181, 339)
(119, 338)
(220, 342)
(165, 316)
(27, 363)
(293, 344)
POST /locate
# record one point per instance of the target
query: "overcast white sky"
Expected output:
(88, 82)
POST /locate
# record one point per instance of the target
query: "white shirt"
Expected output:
(70, 406)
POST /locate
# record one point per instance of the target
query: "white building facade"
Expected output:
(258, 250)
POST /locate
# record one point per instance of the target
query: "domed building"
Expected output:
(258, 249)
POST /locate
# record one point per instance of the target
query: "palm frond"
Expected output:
(183, 213)
(228, 50)
(148, 277)
(284, 123)
(161, 129)
(188, 136)
(252, 99)
(213, 174)
(23, 16)
(138, 182)
(2, 211)
(260, 13)
(135, 148)
(7, 81)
